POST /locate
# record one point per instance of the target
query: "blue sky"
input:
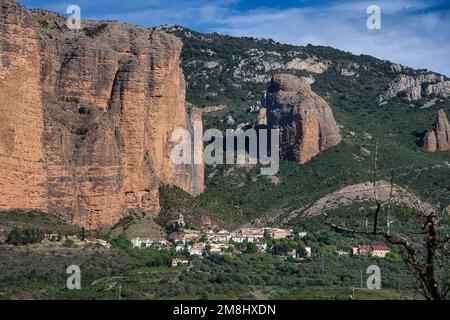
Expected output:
(413, 32)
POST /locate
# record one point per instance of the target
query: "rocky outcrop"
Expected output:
(305, 120)
(361, 193)
(257, 66)
(410, 88)
(429, 142)
(86, 117)
(440, 89)
(311, 64)
(368, 192)
(395, 68)
(262, 117)
(439, 138)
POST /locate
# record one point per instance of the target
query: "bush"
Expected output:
(121, 242)
(394, 257)
(94, 31)
(26, 236)
(251, 248)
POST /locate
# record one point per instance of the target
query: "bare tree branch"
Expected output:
(423, 271)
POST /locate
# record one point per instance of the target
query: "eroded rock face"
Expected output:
(440, 89)
(22, 157)
(429, 142)
(305, 120)
(410, 88)
(86, 117)
(191, 178)
(439, 137)
(257, 66)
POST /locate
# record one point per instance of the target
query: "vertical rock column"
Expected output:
(305, 120)
(438, 139)
(22, 163)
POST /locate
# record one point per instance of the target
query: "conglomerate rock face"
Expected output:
(22, 157)
(86, 117)
(305, 120)
(438, 139)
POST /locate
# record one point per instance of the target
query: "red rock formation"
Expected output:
(305, 120)
(22, 165)
(439, 137)
(191, 177)
(429, 141)
(86, 117)
(442, 129)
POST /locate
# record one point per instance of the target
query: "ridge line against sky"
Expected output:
(415, 33)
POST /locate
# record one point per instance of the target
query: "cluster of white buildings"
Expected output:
(219, 242)
(150, 243)
(253, 235)
(197, 243)
(223, 241)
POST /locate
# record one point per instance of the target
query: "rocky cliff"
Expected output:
(86, 117)
(413, 88)
(305, 120)
(439, 137)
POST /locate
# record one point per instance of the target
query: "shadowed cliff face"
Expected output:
(305, 120)
(87, 117)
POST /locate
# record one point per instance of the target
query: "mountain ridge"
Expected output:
(349, 83)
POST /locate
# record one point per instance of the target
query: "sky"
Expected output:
(415, 33)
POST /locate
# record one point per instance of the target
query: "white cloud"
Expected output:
(410, 35)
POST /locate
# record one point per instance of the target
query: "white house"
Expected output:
(148, 243)
(197, 249)
(308, 251)
(180, 247)
(262, 247)
(292, 253)
(238, 239)
(179, 262)
(223, 236)
(141, 242)
(136, 242)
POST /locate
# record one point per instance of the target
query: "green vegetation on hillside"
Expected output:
(236, 195)
(145, 274)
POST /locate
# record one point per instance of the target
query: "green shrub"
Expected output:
(93, 31)
(251, 248)
(121, 242)
(25, 236)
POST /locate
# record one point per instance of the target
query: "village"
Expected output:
(245, 240)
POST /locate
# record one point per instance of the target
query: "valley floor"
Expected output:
(39, 272)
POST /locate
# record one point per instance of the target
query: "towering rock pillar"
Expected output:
(305, 120)
(438, 139)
